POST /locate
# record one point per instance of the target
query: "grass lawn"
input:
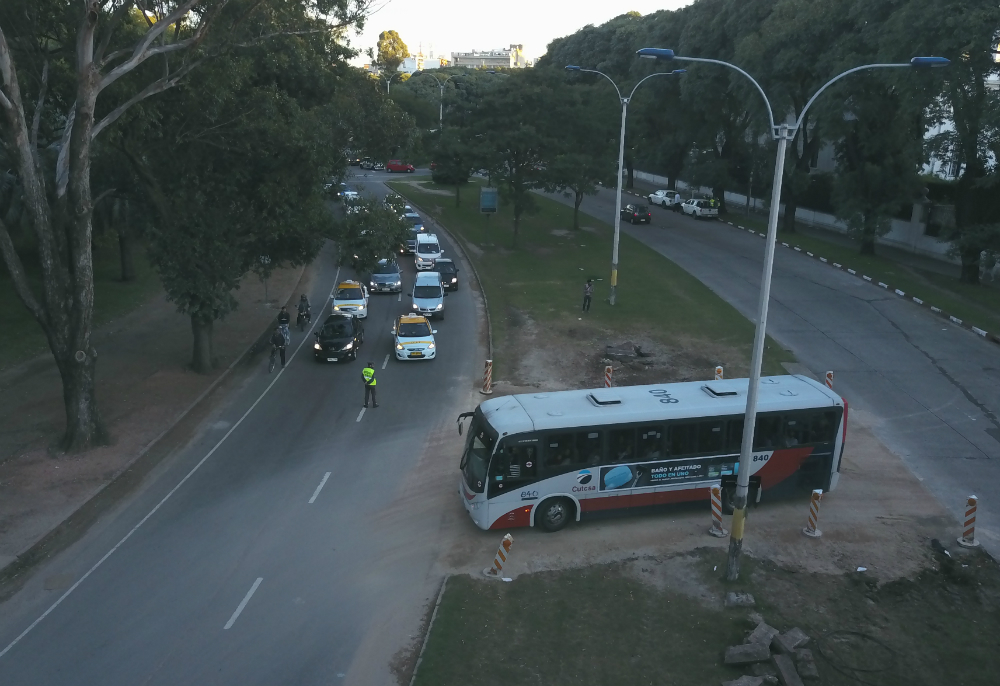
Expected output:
(646, 621)
(542, 278)
(978, 305)
(21, 338)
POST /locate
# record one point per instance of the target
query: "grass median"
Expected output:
(977, 305)
(21, 338)
(535, 292)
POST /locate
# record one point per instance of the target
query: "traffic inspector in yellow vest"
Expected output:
(368, 373)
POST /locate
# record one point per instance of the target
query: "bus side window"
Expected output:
(589, 448)
(683, 439)
(767, 433)
(523, 461)
(560, 453)
(649, 442)
(621, 445)
(711, 437)
(734, 436)
(823, 426)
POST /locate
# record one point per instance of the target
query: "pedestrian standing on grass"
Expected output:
(588, 293)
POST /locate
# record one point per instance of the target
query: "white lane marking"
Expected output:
(173, 490)
(400, 298)
(361, 414)
(319, 488)
(243, 603)
(386, 361)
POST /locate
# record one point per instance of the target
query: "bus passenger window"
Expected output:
(523, 461)
(683, 440)
(767, 433)
(621, 445)
(561, 452)
(649, 442)
(590, 450)
(823, 427)
(711, 437)
(734, 436)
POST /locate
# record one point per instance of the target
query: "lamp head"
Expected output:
(572, 67)
(929, 62)
(655, 53)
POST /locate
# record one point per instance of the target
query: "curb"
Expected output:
(472, 265)
(427, 634)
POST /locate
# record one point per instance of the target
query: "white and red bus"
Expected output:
(545, 458)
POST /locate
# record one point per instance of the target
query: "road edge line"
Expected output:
(427, 634)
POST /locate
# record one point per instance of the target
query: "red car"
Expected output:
(397, 166)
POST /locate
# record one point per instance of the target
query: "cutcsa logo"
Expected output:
(584, 477)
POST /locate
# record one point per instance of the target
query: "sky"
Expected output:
(462, 26)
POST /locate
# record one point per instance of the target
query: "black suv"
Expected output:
(449, 273)
(636, 214)
(338, 339)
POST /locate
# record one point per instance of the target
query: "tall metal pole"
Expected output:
(749, 418)
(618, 206)
(441, 108)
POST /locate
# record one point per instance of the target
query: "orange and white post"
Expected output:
(607, 376)
(717, 530)
(718, 373)
(488, 378)
(812, 529)
(968, 539)
(500, 559)
(829, 380)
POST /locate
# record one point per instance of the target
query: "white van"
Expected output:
(428, 295)
(428, 251)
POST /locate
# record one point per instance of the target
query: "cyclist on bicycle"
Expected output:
(305, 311)
(283, 319)
(278, 343)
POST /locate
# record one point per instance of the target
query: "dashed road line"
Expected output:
(319, 488)
(386, 361)
(243, 603)
(361, 414)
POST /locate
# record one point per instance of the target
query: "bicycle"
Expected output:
(285, 332)
(274, 359)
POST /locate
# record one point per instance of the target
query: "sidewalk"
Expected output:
(144, 384)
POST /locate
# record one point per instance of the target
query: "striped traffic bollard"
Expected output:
(718, 373)
(488, 378)
(607, 376)
(813, 530)
(717, 530)
(829, 380)
(494, 572)
(968, 538)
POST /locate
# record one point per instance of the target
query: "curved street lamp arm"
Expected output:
(659, 73)
(594, 71)
(767, 103)
(829, 83)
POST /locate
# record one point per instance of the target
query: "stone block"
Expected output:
(747, 653)
(786, 671)
(805, 664)
(763, 669)
(739, 599)
(745, 681)
(764, 633)
(790, 640)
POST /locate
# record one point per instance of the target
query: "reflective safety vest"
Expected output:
(369, 375)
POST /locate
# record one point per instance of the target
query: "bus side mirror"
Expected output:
(460, 428)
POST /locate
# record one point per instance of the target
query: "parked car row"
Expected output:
(699, 208)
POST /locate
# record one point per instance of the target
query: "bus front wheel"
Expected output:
(554, 514)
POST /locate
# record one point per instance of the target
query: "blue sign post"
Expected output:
(488, 200)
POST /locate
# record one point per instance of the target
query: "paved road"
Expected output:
(337, 581)
(929, 390)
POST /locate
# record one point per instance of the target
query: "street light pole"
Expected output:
(783, 135)
(621, 164)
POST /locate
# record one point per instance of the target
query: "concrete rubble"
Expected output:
(739, 599)
(790, 640)
(745, 681)
(771, 657)
(747, 653)
(786, 671)
(762, 634)
(805, 664)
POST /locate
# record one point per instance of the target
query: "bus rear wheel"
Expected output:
(554, 514)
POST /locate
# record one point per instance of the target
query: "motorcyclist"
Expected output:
(305, 310)
(283, 319)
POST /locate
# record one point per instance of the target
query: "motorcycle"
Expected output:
(304, 318)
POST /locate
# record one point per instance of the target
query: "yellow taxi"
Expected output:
(351, 297)
(413, 338)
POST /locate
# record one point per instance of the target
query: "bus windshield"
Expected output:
(477, 454)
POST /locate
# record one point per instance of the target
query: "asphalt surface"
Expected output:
(929, 390)
(306, 503)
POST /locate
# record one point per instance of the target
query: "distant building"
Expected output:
(412, 64)
(507, 58)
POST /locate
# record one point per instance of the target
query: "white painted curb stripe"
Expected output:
(851, 271)
(955, 319)
(979, 331)
(883, 285)
(899, 292)
(866, 278)
(935, 309)
(838, 266)
(918, 300)
(243, 603)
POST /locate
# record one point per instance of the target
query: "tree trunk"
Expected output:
(788, 220)
(577, 201)
(970, 265)
(201, 355)
(84, 428)
(868, 235)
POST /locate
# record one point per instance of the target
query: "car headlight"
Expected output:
(440, 307)
(362, 306)
(317, 346)
(430, 347)
(454, 279)
(349, 345)
(415, 306)
(336, 307)
(399, 283)
(399, 346)
(372, 284)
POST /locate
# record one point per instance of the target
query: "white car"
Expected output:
(428, 251)
(668, 200)
(700, 209)
(351, 297)
(413, 338)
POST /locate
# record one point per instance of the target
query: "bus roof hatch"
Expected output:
(604, 397)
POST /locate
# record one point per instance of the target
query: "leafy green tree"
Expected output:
(371, 233)
(390, 52)
(454, 159)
